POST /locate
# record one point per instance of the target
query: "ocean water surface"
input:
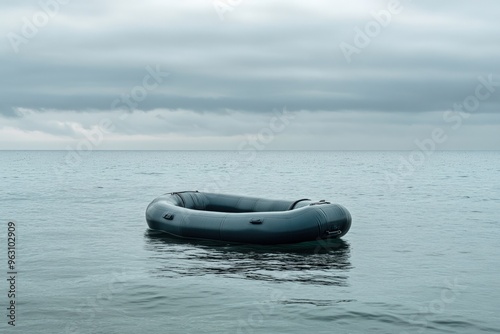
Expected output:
(422, 255)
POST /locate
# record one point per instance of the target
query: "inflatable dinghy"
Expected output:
(193, 214)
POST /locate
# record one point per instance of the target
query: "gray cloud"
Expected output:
(262, 57)
(187, 129)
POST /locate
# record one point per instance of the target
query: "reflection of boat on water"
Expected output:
(318, 262)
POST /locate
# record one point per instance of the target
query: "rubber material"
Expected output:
(243, 219)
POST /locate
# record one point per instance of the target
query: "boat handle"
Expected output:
(256, 221)
(336, 232)
(320, 202)
(168, 216)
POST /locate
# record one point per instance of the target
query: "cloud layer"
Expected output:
(227, 76)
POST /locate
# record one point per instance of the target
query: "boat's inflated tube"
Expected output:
(193, 214)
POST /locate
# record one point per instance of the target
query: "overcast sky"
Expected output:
(214, 74)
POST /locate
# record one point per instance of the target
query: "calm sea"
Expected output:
(422, 255)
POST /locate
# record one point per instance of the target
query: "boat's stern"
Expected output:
(337, 220)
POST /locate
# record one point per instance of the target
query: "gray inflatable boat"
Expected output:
(242, 219)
